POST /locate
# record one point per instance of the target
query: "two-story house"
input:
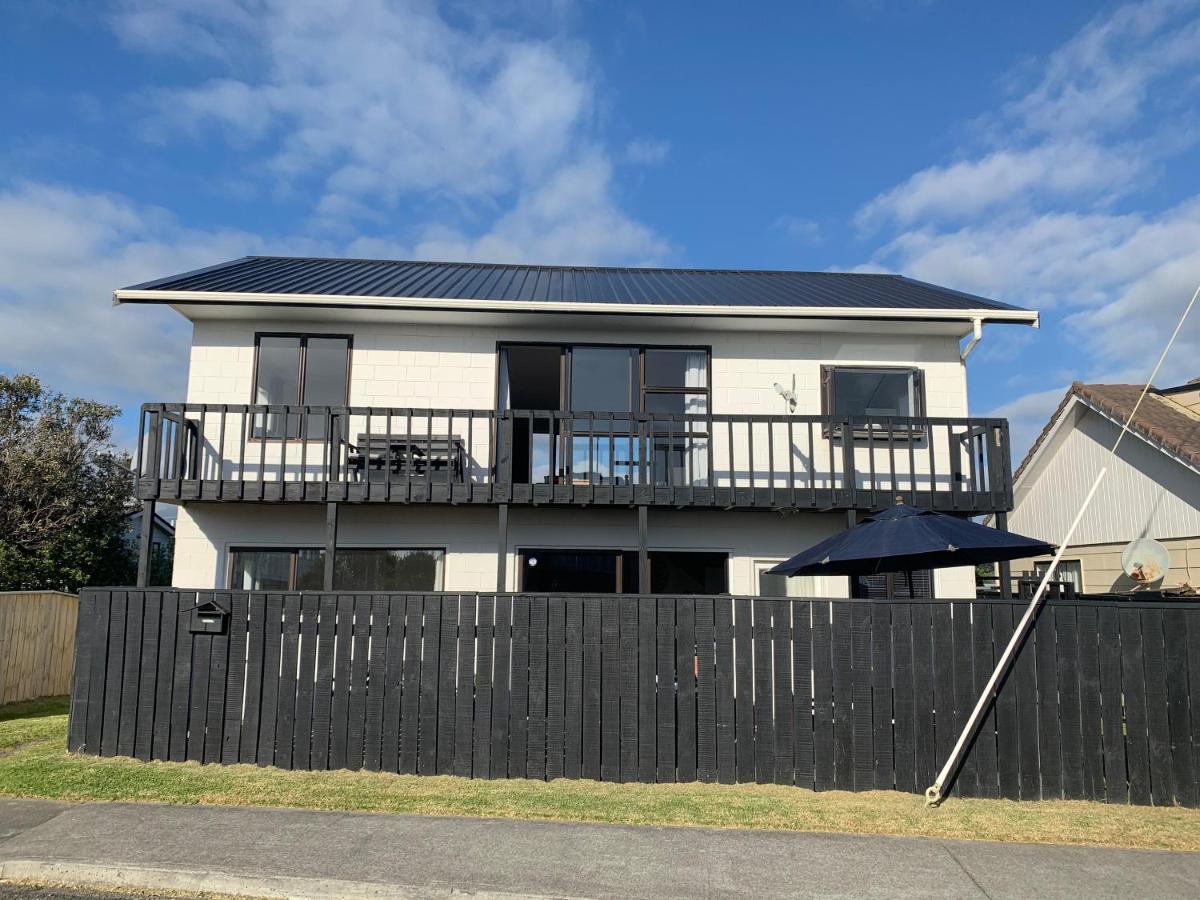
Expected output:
(377, 425)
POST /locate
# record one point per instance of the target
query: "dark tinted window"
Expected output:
(676, 368)
(278, 376)
(685, 572)
(325, 371)
(679, 404)
(602, 379)
(874, 392)
(387, 570)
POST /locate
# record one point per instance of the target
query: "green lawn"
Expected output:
(33, 763)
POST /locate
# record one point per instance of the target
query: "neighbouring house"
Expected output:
(1152, 489)
(377, 425)
(162, 535)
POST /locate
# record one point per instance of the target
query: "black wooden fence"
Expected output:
(846, 695)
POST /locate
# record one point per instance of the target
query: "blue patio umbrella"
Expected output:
(903, 539)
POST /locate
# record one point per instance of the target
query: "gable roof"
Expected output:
(1160, 421)
(688, 291)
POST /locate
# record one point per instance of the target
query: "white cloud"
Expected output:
(647, 152)
(62, 252)
(388, 107)
(797, 229)
(1100, 81)
(1028, 414)
(969, 187)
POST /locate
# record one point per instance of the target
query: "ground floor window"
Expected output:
(354, 569)
(297, 569)
(579, 571)
(387, 569)
(616, 571)
(895, 585)
(783, 585)
(688, 572)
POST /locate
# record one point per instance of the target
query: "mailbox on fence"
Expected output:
(209, 618)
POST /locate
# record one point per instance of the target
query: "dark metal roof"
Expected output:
(567, 284)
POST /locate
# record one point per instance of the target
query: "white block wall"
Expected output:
(205, 533)
(454, 366)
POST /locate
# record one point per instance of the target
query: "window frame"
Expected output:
(304, 337)
(829, 402)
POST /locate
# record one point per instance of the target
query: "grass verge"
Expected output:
(34, 764)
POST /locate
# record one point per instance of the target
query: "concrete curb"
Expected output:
(187, 880)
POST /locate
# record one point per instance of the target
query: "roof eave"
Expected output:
(143, 295)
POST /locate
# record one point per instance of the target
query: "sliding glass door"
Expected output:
(552, 385)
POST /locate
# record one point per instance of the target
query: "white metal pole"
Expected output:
(933, 794)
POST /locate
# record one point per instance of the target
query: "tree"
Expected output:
(65, 490)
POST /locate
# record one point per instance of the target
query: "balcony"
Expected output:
(231, 452)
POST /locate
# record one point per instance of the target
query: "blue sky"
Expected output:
(1043, 154)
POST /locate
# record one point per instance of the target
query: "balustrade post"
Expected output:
(145, 544)
(331, 530)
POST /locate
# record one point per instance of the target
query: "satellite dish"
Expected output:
(1145, 561)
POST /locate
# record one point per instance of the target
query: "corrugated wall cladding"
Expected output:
(846, 695)
(570, 284)
(1146, 493)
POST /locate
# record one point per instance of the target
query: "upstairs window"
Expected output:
(854, 391)
(299, 370)
(675, 381)
(874, 394)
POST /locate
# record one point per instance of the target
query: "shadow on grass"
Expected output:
(35, 709)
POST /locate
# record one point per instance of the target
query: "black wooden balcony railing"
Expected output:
(194, 451)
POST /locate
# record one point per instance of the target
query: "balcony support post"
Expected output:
(145, 544)
(331, 530)
(643, 550)
(502, 549)
(1004, 569)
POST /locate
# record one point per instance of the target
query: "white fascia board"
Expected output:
(1017, 316)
